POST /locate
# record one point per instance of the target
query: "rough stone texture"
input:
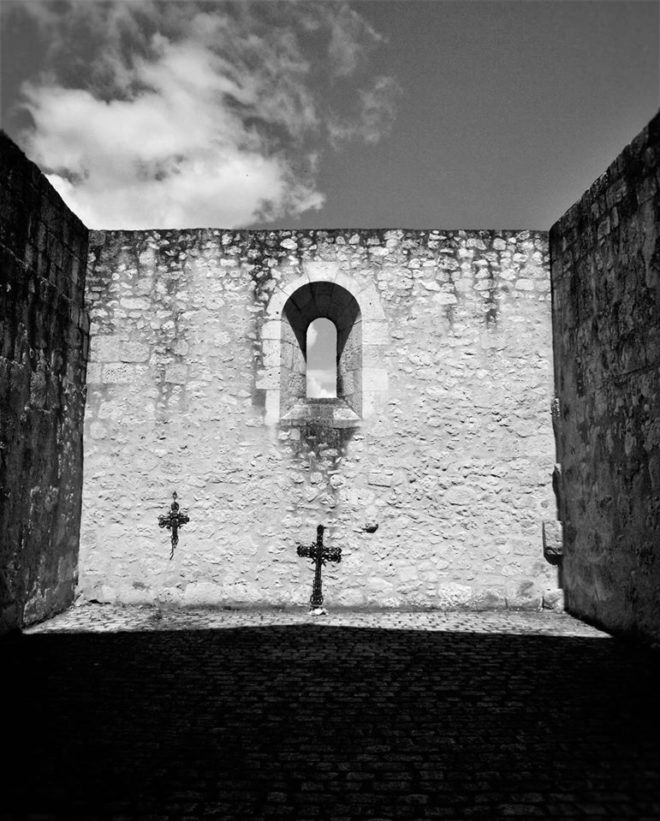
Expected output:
(605, 261)
(43, 348)
(364, 716)
(90, 617)
(432, 469)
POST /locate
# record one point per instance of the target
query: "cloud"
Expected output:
(193, 114)
(312, 334)
(350, 39)
(373, 115)
(320, 384)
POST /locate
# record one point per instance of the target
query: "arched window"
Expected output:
(327, 309)
(321, 359)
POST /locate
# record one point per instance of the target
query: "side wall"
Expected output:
(43, 348)
(605, 255)
(436, 497)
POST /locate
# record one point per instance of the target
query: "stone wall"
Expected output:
(605, 276)
(43, 348)
(432, 469)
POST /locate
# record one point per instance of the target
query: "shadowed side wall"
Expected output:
(434, 483)
(605, 255)
(43, 349)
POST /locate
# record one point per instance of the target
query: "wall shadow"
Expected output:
(330, 722)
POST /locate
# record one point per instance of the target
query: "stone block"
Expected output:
(321, 270)
(348, 383)
(486, 600)
(374, 379)
(135, 303)
(380, 479)
(463, 494)
(553, 541)
(372, 402)
(452, 595)
(525, 284)
(429, 284)
(374, 333)
(122, 373)
(269, 379)
(553, 599)
(271, 329)
(105, 348)
(603, 228)
(371, 306)
(523, 600)
(97, 431)
(370, 358)
(646, 188)
(270, 349)
(445, 298)
(133, 352)
(94, 373)
(272, 407)
(201, 593)
(176, 374)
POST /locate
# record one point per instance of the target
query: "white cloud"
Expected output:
(351, 37)
(168, 157)
(373, 115)
(320, 384)
(192, 114)
(312, 335)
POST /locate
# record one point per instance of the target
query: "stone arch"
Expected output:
(362, 334)
(311, 301)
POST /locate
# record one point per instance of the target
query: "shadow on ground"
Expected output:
(321, 722)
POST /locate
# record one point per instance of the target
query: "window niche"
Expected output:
(310, 302)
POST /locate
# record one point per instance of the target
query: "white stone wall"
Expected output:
(452, 460)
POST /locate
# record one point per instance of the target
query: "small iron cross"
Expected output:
(173, 520)
(319, 554)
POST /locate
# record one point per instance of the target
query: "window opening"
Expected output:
(321, 359)
(339, 402)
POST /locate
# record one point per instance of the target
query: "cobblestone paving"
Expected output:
(121, 713)
(113, 618)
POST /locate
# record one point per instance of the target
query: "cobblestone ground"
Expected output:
(120, 713)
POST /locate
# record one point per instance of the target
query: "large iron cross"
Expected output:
(173, 520)
(319, 554)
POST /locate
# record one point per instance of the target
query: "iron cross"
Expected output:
(319, 554)
(173, 520)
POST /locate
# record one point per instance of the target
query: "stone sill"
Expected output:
(335, 413)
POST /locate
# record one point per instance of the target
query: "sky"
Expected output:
(372, 113)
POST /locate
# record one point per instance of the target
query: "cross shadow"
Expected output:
(330, 722)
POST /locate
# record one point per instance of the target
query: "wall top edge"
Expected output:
(8, 148)
(648, 136)
(98, 236)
